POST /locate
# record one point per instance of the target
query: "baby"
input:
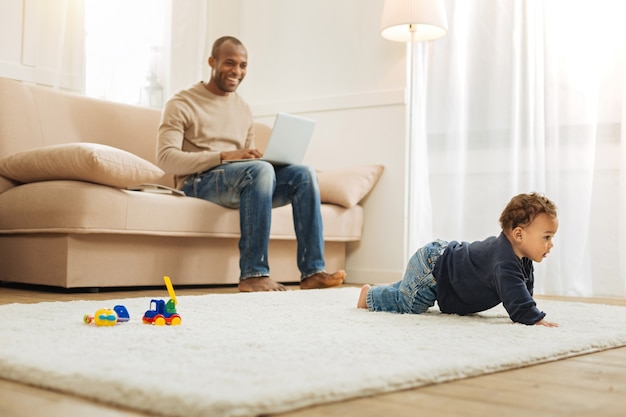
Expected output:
(465, 278)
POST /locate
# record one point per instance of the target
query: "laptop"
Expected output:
(288, 141)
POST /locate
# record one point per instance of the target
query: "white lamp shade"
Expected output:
(413, 20)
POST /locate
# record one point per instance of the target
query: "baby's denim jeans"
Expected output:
(417, 291)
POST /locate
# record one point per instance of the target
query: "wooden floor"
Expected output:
(591, 385)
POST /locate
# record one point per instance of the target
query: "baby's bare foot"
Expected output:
(256, 284)
(362, 303)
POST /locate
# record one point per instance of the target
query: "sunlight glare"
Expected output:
(124, 45)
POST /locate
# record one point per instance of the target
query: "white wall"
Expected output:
(33, 32)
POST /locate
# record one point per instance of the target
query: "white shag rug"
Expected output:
(258, 353)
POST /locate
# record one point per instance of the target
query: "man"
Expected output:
(204, 127)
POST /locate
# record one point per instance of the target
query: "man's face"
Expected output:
(228, 69)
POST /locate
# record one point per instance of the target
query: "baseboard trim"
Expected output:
(373, 277)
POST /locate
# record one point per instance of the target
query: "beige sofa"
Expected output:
(68, 216)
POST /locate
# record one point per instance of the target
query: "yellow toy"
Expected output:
(107, 316)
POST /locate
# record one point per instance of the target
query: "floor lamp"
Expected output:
(413, 21)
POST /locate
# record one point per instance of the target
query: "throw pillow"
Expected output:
(347, 187)
(93, 162)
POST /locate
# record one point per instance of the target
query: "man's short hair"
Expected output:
(215, 51)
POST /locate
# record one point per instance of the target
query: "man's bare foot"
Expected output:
(256, 284)
(362, 303)
(323, 280)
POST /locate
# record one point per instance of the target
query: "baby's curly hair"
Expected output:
(524, 208)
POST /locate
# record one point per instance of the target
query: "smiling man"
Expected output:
(204, 127)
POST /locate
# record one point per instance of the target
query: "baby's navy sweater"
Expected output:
(477, 276)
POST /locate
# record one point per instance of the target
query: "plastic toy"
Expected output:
(108, 317)
(162, 313)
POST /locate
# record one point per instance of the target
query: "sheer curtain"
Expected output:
(529, 96)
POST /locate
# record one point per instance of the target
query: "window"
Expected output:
(125, 50)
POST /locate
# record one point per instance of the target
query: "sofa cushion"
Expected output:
(92, 162)
(93, 208)
(348, 186)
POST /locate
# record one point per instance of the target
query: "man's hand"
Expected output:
(240, 154)
(546, 323)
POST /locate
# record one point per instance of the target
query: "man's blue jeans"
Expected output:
(256, 187)
(417, 291)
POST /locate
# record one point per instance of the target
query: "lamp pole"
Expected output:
(412, 21)
(415, 169)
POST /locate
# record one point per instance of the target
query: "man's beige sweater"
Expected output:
(196, 126)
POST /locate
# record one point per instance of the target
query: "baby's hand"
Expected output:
(546, 323)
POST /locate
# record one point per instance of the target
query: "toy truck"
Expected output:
(162, 313)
